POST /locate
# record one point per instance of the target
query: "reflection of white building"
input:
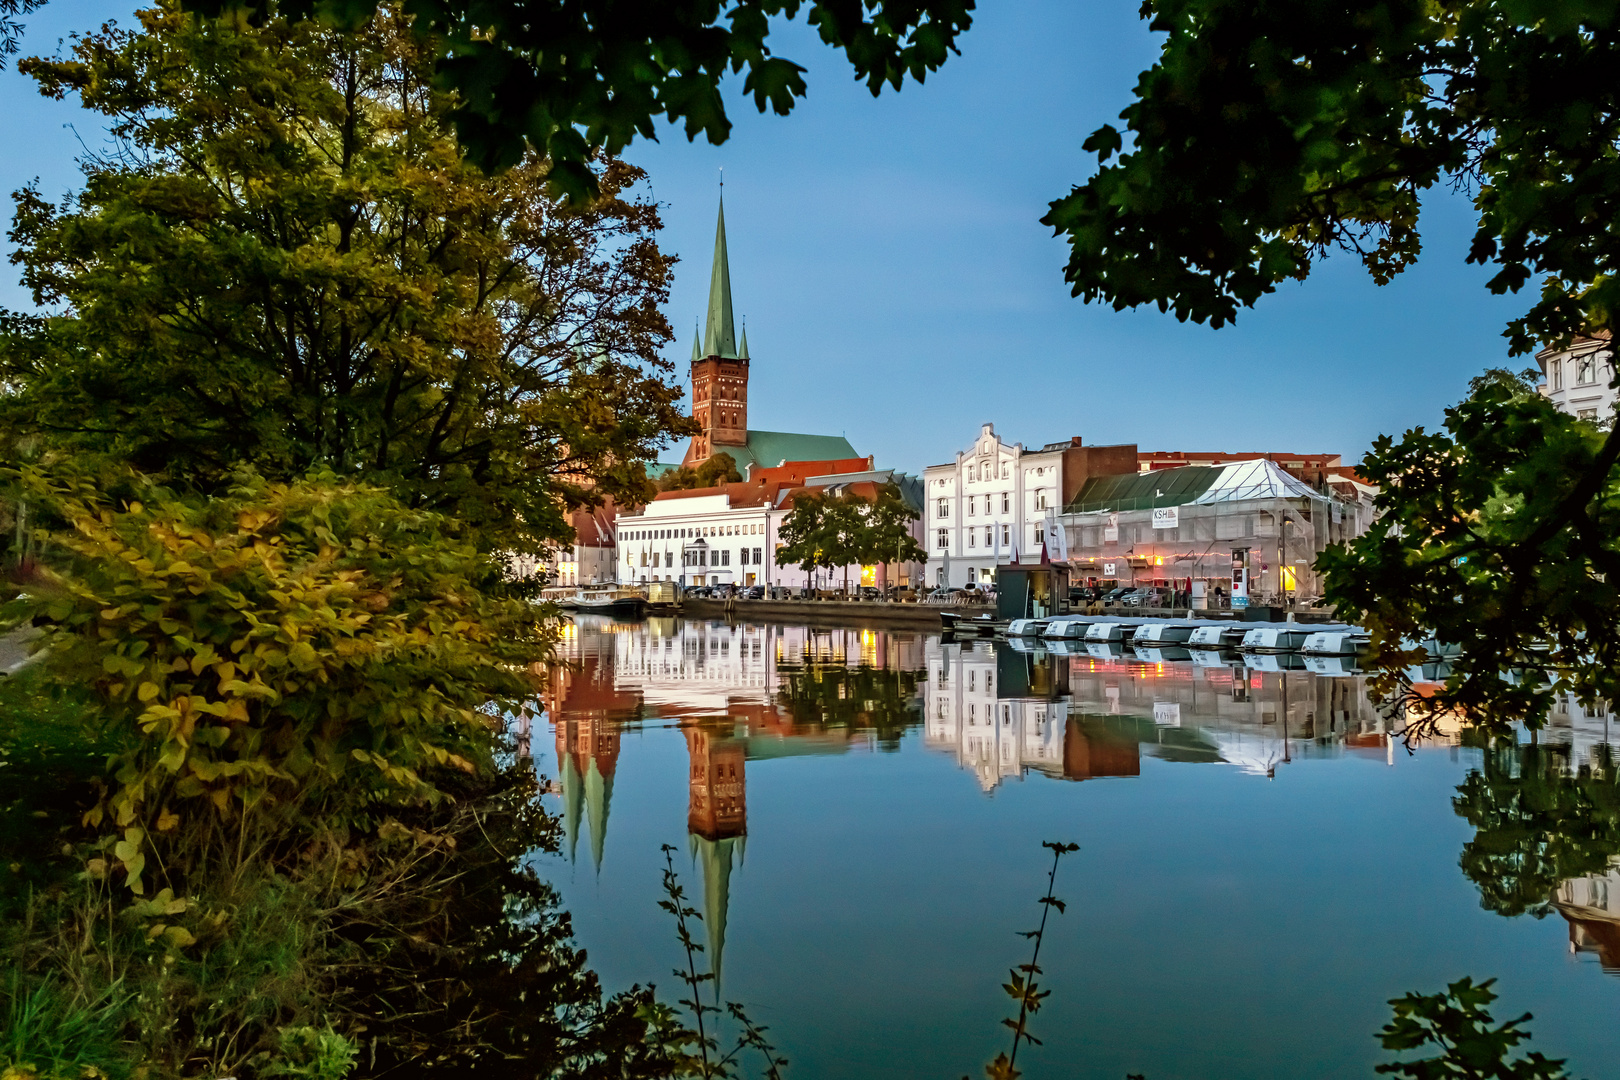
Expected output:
(1254, 720)
(1584, 730)
(1591, 904)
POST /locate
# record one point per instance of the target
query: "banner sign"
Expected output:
(1109, 571)
(1110, 534)
(1167, 517)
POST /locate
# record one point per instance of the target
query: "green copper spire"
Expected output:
(716, 857)
(742, 353)
(697, 343)
(719, 333)
(573, 801)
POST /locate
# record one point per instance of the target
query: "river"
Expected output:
(859, 812)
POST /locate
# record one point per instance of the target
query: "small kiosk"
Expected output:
(1031, 592)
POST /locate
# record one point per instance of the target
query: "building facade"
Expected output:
(1224, 535)
(728, 535)
(1580, 379)
(995, 502)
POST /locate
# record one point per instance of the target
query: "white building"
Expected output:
(729, 535)
(1580, 379)
(994, 503)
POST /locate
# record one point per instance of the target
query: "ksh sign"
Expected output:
(1167, 517)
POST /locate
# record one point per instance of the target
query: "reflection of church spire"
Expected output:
(598, 793)
(572, 802)
(716, 823)
(715, 857)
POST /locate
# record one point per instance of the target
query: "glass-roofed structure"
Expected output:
(1243, 532)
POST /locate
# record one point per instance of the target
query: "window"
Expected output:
(1006, 535)
(759, 556)
(970, 537)
(987, 509)
(1583, 371)
(1040, 534)
(725, 558)
(1040, 500)
(1005, 502)
(1587, 414)
(943, 541)
(942, 509)
(1006, 471)
(971, 502)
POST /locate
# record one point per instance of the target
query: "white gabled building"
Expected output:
(1580, 379)
(993, 504)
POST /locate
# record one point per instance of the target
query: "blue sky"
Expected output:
(899, 288)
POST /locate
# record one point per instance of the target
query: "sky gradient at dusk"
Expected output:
(899, 288)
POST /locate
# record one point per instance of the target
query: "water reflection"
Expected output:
(1546, 814)
(1547, 837)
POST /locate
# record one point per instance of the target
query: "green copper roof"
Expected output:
(697, 344)
(1136, 491)
(719, 333)
(742, 353)
(769, 449)
(598, 796)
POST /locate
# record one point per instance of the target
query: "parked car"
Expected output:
(1114, 596)
(754, 592)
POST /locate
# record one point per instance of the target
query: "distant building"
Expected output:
(1579, 379)
(1315, 469)
(590, 559)
(994, 503)
(728, 535)
(1242, 531)
(720, 388)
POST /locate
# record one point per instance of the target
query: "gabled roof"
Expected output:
(1192, 484)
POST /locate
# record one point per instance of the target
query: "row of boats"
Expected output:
(1314, 640)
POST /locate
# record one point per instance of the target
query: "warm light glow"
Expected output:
(869, 575)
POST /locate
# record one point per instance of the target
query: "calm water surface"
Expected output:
(859, 815)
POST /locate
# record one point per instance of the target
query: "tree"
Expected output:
(806, 533)
(720, 468)
(287, 264)
(565, 79)
(1271, 134)
(887, 533)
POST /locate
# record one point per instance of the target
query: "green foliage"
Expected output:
(566, 79)
(58, 1033)
(312, 1054)
(697, 1051)
(1023, 982)
(1457, 1023)
(720, 468)
(1536, 824)
(825, 530)
(290, 265)
(310, 647)
(1269, 134)
(1501, 535)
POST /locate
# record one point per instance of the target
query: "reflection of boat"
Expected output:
(1334, 643)
(1332, 665)
(1288, 661)
(1162, 633)
(1281, 637)
(597, 599)
(1105, 650)
(1157, 655)
(1209, 658)
(1065, 647)
(1591, 905)
(1027, 645)
(1216, 636)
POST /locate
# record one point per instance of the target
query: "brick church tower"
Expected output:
(719, 365)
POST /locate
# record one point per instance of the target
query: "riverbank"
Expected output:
(927, 616)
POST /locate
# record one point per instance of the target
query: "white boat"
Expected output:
(1025, 627)
(1161, 633)
(1275, 637)
(600, 599)
(1065, 629)
(1334, 643)
(1107, 631)
(1216, 636)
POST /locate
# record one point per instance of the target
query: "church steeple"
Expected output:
(697, 343)
(719, 332)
